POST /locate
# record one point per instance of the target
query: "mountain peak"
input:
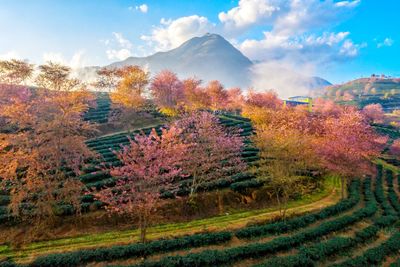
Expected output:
(208, 57)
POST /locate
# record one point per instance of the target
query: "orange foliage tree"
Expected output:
(42, 153)
(15, 71)
(56, 77)
(129, 92)
(195, 97)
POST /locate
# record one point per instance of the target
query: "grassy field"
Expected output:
(316, 201)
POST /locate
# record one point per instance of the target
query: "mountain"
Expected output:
(318, 83)
(209, 57)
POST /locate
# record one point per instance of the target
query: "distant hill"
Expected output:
(209, 57)
(364, 91)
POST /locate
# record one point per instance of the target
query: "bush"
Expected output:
(82, 257)
(305, 220)
(376, 255)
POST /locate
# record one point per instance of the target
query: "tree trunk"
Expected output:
(143, 228)
(342, 181)
(220, 203)
(279, 203)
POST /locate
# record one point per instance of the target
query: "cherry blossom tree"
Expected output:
(148, 163)
(217, 95)
(374, 113)
(235, 99)
(195, 97)
(267, 99)
(395, 148)
(167, 91)
(347, 145)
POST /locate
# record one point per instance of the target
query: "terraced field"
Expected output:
(95, 176)
(101, 112)
(361, 230)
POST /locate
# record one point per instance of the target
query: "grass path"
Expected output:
(313, 202)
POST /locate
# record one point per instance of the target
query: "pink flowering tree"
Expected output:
(148, 164)
(347, 145)
(267, 99)
(395, 148)
(235, 99)
(217, 95)
(213, 151)
(374, 113)
(167, 91)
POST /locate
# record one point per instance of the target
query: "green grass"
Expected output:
(235, 220)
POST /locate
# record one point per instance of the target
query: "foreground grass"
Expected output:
(329, 195)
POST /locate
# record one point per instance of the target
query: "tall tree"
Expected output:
(108, 78)
(54, 76)
(167, 91)
(149, 163)
(15, 71)
(286, 154)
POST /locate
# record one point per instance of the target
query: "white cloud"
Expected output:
(143, 8)
(10, 55)
(306, 48)
(248, 12)
(172, 33)
(348, 3)
(122, 42)
(77, 60)
(120, 54)
(118, 48)
(284, 16)
(387, 42)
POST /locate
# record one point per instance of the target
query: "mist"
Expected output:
(284, 77)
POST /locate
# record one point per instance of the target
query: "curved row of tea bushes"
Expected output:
(392, 196)
(100, 113)
(380, 194)
(310, 255)
(257, 250)
(376, 255)
(305, 220)
(138, 250)
(84, 256)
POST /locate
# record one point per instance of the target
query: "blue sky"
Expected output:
(337, 40)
